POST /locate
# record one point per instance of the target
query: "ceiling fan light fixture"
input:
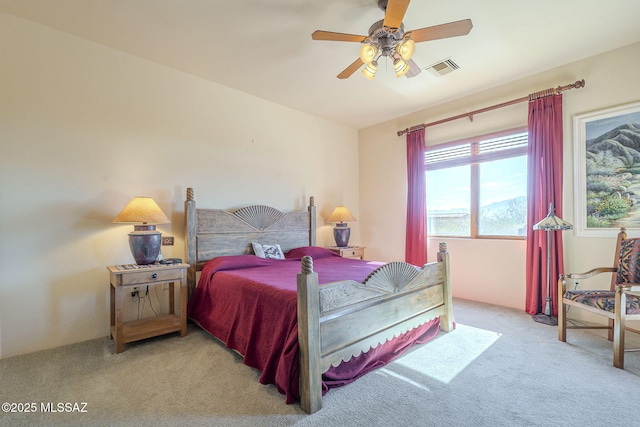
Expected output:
(370, 70)
(368, 52)
(387, 37)
(406, 48)
(400, 67)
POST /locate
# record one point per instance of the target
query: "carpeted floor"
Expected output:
(498, 368)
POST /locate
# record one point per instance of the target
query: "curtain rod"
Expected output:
(530, 97)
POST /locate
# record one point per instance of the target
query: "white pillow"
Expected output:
(267, 251)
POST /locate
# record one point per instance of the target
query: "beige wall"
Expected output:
(84, 128)
(489, 270)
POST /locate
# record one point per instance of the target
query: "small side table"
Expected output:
(355, 252)
(122, 277)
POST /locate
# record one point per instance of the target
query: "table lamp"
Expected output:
(341, 232)
(144, 240)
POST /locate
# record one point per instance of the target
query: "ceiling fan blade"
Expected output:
(351, 69)
(336, 37)
(414, 69)
(442, 31)
(394, 14)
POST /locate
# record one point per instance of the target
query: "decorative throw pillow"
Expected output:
(267, 251)
(315, 252)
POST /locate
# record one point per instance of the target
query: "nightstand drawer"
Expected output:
(150, 276)
(353, 253)
(356, 252)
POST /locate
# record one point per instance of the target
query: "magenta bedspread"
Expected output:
(250, 304)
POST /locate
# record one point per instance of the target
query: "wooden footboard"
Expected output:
(342, 319)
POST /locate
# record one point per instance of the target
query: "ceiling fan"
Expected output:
(388, 38)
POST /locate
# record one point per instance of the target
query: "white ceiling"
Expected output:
(264, 47)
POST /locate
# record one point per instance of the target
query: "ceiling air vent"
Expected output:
(443, 67)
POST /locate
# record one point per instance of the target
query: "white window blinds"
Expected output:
(507, 144)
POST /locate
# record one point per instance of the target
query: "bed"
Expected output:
(312, 320)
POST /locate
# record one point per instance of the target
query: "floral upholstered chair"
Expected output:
(619, 304)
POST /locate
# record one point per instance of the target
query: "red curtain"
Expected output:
(416, 234)
(544, 187)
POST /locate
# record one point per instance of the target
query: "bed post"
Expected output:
(191, 224)
(309, 338)
(446, 321)
(312, 221)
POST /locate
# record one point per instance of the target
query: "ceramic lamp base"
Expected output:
(341, 233)
(145, 242)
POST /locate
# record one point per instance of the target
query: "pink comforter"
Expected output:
(250, 304)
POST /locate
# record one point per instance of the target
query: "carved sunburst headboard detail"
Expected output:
(259, 217)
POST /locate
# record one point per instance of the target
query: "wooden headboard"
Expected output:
(210, 233)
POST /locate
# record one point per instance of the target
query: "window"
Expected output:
(478, 187)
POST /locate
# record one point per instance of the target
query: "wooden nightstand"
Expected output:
(355, 252)
(123, 278)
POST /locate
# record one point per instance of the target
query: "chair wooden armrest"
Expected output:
(562, 279)
(590, 273)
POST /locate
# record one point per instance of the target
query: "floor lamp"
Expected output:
(550, 224)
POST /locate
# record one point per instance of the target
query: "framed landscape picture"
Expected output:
(607, 170)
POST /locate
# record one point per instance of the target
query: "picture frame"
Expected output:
(607, 170)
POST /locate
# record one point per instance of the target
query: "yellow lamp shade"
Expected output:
(406, 48)
(370, 70)
(341, 214)
(144, 210)
(368, 52)
(400, 67)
